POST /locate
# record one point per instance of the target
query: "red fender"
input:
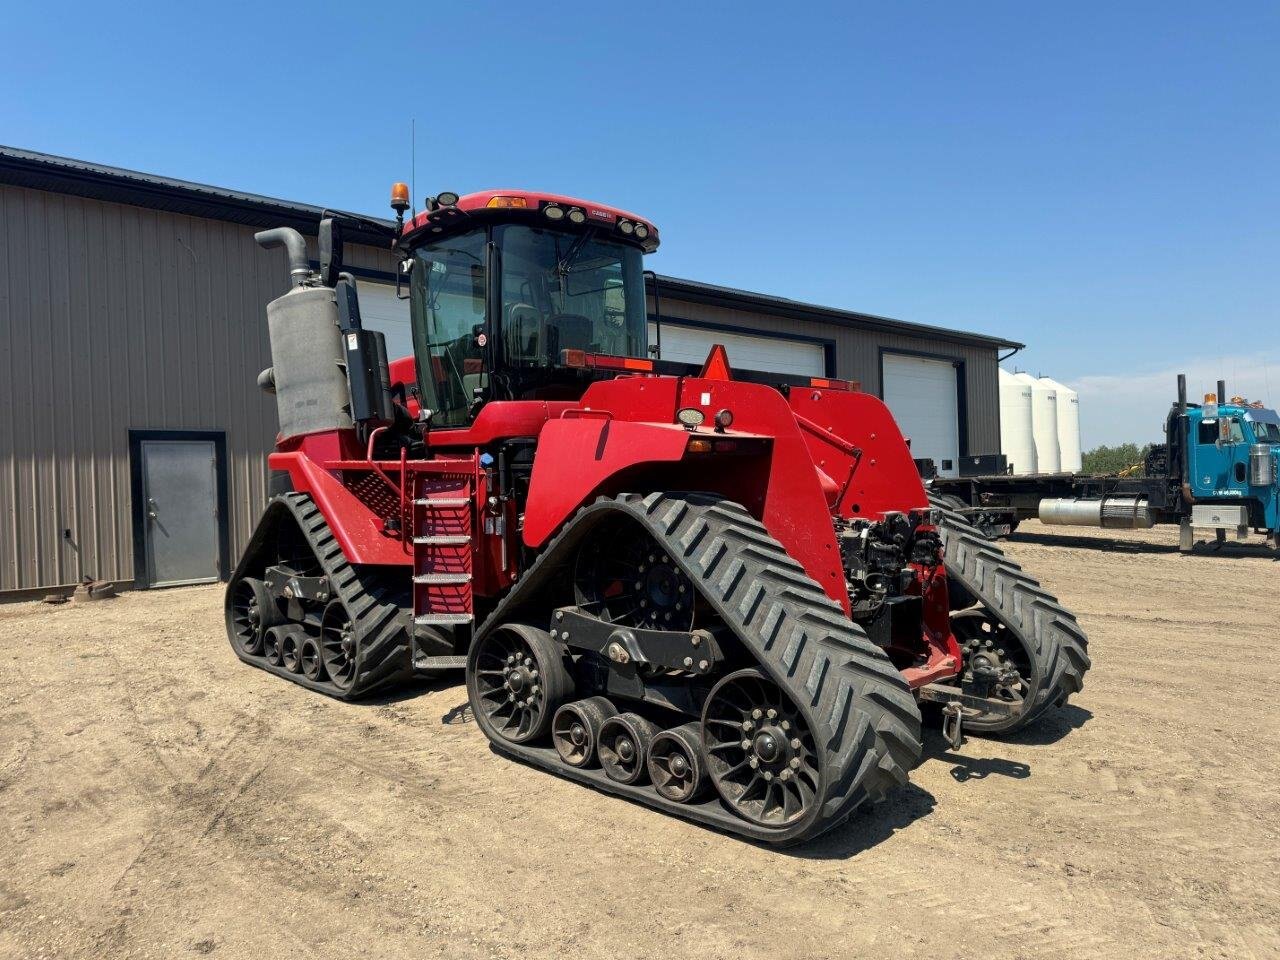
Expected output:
(578, 453)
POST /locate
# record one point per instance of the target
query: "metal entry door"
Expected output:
(180, 504)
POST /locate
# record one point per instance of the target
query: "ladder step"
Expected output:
(439, 663)
(443, 540)
(443, 579)
(443, 619)
(443, 503)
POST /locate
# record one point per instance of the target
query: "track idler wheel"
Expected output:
(272, 644)
(252, 613)
(575, 730)
(312, 664)
(517, 678)
(760, 752)
(338, 645)
(624, 747)
(676, 765)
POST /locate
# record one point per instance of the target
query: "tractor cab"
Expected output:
(517, 296)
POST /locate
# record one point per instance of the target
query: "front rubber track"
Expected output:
(382, 621)
(861, 712)
(979, 572)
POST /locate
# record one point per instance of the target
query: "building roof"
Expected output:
(42, 171)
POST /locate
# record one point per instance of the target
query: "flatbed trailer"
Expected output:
(1217, 471)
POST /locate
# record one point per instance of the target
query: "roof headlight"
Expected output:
(447, 199)
(626, 226)
(641, 231)
(553, 211)
(576, 215)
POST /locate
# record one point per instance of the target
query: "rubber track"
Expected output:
(1047, 630)
(857, 704)
(382, 623)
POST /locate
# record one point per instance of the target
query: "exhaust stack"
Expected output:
(307, 372)
(295, 247)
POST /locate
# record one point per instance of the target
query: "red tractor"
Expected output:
(723, 595)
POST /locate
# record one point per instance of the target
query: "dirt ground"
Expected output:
(159, 799)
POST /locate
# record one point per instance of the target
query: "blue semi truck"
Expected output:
(1218, 470)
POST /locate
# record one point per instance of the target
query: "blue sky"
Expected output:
(1096, 180)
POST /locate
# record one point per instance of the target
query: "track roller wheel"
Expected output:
(759, 750)
(291, 652)
(624, 746)
(575, 729)
(310, 657)
(517, 676)
(676, 765)
(272, 641)
(251, 613)
(338, 645)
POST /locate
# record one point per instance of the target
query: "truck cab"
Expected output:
(1232, 460)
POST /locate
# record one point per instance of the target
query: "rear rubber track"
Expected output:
(859, 708)
(979, 572)
(382, 623)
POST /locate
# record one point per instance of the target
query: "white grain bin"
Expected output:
(1017, 440)
(1068, 426)
(1044, 424)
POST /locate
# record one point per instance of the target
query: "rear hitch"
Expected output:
(954, 702)
(952, 724)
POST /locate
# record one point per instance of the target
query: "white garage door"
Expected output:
(922, 395)
(380, 310)
(686, 344)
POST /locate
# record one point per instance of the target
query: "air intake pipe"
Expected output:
(295, 247)
(1116, 513)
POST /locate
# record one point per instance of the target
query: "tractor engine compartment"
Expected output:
(883, 562)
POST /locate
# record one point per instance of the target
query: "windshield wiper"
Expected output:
(565, 262)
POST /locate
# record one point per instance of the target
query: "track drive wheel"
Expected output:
(575, 730)
(250, 613)
(760, 752)
(624, 747)
(517, 676)
(676, 764)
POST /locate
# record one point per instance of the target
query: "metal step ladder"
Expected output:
(442, 549)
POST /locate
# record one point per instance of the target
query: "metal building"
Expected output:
(133, 439)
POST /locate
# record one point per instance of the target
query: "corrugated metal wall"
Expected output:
(115, 318)
(118, 317)
(858, 358)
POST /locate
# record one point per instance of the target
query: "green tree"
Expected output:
(1106, 459)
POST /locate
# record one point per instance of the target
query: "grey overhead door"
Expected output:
(180, 511)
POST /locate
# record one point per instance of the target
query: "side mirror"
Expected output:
(330, 244)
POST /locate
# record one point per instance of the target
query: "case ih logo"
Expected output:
(600, 214)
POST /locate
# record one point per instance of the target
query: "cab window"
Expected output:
(1226, 429)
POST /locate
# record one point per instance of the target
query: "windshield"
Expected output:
(1265, 432)
(447, 300)
(568, 291)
